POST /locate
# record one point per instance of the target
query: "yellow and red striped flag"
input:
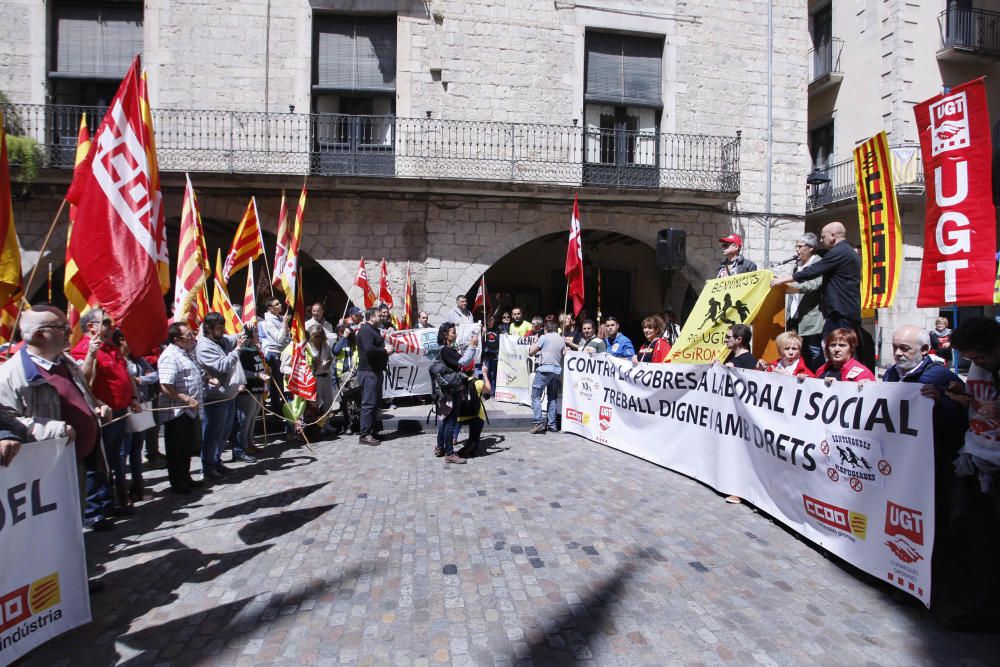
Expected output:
(249, 313)
(220, 299)
(290, 272)
(11, 280)
(878, 218)
(284, 240)
(247, 243)
(156, 196)
(191, 284)
(78, 296)
(408, 318)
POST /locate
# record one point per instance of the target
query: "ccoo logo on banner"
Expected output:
(851, 470)
(43, 582)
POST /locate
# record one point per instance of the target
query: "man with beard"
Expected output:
(218, 355)
(519, 326)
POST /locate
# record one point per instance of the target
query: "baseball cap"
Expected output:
(354, 311)
(732, 238)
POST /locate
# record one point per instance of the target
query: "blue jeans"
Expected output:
(247, 408)
(547, 379)
(215, 431)
(447, 430)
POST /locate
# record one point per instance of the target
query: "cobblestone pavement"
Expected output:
(550, 550)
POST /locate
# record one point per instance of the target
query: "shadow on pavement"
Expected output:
(276, 525)
(280, 499)
(567, 636)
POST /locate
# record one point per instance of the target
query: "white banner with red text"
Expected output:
(515, 370)
(849, 467)
(43, 582)
(408, 372)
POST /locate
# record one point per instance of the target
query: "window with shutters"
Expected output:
(622, 106)
(354, 92)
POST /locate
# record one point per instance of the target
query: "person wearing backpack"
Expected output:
(472, 411)
(449, 382)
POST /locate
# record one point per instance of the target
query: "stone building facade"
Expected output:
(492, 129)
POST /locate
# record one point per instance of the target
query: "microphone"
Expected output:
(791, 259)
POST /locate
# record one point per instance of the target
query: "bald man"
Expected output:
(841, 271)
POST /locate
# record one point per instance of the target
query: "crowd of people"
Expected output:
(210, 391)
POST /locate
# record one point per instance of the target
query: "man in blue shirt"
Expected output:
(618, 343)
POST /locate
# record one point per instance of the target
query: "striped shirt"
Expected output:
(179, 369)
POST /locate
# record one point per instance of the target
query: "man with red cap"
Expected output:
(733, 263)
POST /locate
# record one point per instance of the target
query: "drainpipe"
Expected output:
(770, 131)
(267, 59)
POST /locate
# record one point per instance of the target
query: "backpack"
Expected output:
(469, 402)
(445, 381)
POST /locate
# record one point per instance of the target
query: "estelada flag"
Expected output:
(221, 303)
(384, 295)
(878, 220)
(11, 281)
(115, 240)
(361, 281)
(284, 240)
(247, 242)
(574, 260)
(960, 226)
(78, 296)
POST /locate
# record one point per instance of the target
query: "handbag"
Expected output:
(137, 422)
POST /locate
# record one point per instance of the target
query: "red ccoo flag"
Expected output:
(482, 298)
(115, 238)
(574, 261)
(361, 281)
(384, 295)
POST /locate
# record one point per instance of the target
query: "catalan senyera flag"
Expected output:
(11, 282)
(220, 299)
(284, 240)
(408, 318)
(290, 272)
(247, 243)
(8, 318)
(115, 239)
(878, 220)
(78, 296)
(162, 252)
(249, 314)
(191, 284)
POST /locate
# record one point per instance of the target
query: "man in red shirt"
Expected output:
(106, 369)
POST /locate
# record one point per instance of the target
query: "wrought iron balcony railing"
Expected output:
(387, 146)
(967, 29)
(907, 173)
(825, 58)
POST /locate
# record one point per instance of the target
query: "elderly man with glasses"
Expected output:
(802, 304)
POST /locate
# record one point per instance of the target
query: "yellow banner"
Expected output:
(723, 303)
(878, 220)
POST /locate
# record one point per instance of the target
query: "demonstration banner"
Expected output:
(408, 372)
(960, 228)
(43, 581)
(722, 303)
(849, 466)
(515, 370)
(878, 220)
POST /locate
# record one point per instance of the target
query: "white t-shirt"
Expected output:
(983, 437)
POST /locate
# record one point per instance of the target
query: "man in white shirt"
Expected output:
(318, 318)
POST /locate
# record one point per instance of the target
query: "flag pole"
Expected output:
(41, 252)
(263, 249)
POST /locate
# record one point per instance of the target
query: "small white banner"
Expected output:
(515, 370)
(43, 581)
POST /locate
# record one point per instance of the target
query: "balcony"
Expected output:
(824, 66)
(907, 173)
(969, 35)
(412, 148)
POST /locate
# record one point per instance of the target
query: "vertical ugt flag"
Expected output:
(574, 260)
(115, 238)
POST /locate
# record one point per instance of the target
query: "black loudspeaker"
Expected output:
(671, 249)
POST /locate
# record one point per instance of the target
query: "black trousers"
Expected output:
(371, 400)
(275, 384)
(181, 437)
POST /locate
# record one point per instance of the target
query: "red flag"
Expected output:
(482, 299)
(574, 260)
(960, 227)
(284, 242)
(384, 295)
(361, 281)
(247, 242)
(162, 253)
(301, 382)
(78, 296)
(115, 239)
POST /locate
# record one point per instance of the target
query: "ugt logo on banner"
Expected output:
(959, 231)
